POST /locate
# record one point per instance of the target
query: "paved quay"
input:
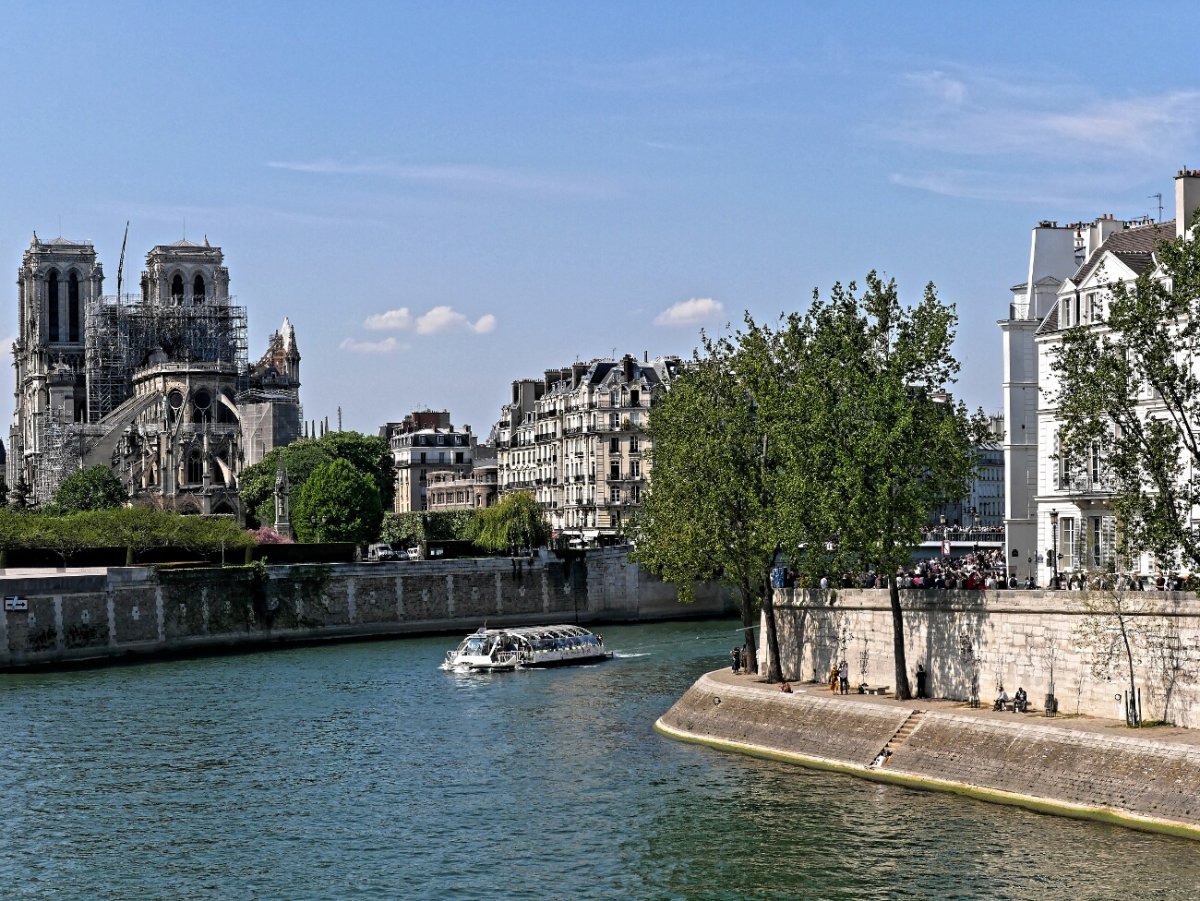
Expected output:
(1069, 765)
(985, 713)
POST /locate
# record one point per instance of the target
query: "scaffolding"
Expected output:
(123, 332)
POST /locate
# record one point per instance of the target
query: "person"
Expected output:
(785, 687)
(844, 677)
(1001, 699)
(833, 677)
(745, 660)
(921, 675)
(737, 659)
(1020, 701)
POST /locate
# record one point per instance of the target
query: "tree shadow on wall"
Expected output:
(953, 656)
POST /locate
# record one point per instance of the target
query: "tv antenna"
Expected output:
(1159, 196)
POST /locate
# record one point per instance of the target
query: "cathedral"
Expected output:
(156, 385)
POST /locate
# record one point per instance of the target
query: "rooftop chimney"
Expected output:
(1187, 199)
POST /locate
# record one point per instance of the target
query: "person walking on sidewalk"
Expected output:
(844, 677)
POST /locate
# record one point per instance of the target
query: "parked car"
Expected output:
(381, 552)
(414, 553)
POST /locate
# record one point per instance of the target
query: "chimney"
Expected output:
(1187, 199)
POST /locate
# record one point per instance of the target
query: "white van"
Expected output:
(380, 552)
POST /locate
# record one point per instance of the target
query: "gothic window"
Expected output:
(174, 404)
(52, 304)
(195, 468)
(73, 316)
(177, 289)
(198, 289)
(202, 401)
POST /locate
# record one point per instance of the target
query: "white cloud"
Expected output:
(389, 321)
(690, 312)
(445, 318)
(386, 346)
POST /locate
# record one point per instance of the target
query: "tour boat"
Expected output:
(496, 650)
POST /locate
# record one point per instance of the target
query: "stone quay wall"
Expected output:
(970, 642)
(1130, 779)
(142, 611)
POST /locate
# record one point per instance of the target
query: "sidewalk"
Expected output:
(1067, 722)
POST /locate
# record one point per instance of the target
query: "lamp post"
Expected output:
(1054, 550)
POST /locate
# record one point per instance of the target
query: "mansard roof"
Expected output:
(1133, 246)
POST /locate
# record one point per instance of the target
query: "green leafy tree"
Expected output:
(416, 527)
(337, 503)
(369, 454)
(714, 508)
(256, 484)
(876, 443)
(516, 522)
(94, 488)
(1145, 344)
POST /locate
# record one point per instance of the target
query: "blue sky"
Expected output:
(447, 196)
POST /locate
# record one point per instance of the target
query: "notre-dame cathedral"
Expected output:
(157, 384)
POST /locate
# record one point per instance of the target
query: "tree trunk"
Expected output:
(774, 665)
(748, 628)
(1131, 716)
(903, 692)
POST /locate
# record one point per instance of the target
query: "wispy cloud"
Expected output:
(386, 346)
(456, 176)
(441, 318)
(1024, 136)
(690, 312)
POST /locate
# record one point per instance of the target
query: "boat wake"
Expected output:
(620, 655)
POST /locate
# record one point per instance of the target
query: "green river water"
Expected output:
(363, 771)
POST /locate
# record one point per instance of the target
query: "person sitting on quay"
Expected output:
(1020, 701)
(1001, 700)
(785, 687)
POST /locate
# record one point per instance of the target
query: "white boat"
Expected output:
(496, 650)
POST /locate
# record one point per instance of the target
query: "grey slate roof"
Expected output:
(1134, 247)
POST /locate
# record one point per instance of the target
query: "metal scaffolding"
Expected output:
(123, 332)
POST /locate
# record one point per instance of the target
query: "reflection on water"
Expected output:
(364, 771)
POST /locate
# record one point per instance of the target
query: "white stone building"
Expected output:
(576, 439)
(1055, 518)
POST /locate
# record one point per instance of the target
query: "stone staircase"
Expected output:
(907, 728)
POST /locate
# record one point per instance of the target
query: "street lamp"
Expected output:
(1054, 538)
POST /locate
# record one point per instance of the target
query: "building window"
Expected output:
(614, 445)
(614, 471)
(635, 469)
(52, 304)
(635, 398)
(177, 289)
(1094, 461)
(73, 307)
(634, 445)
(195, 469)
(614, 420)
(458, 456)
(198, 289)
(615, 495)
(1066, 543)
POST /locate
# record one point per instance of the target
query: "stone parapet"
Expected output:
(971, 642)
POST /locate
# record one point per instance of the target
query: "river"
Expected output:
(362, 771)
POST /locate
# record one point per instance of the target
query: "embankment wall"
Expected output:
(970, 642)
(1128, 779)
(143, 611)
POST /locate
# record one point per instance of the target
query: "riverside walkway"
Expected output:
(1064, 720)
(1076, 766)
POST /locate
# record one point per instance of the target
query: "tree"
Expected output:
(337, 503)
(369, 454)
(712, 510)
(1113, 624)
(875, 443)
(256, 484)
(1145, 345)
(94, 488)
(417, 527)
(516, 522)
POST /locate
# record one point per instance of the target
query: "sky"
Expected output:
(445, 197)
